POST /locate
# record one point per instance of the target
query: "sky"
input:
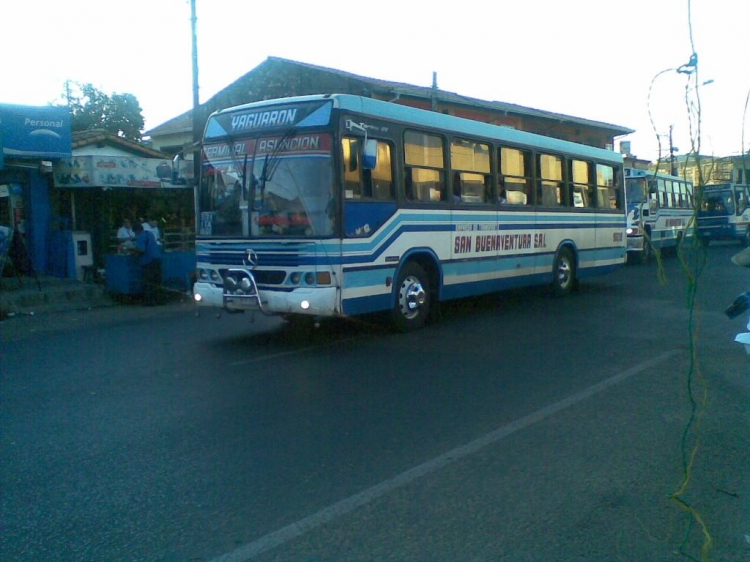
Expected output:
(605, 60)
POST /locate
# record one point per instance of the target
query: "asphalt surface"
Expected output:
(520, 428)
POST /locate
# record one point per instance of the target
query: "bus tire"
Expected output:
(746, 238)
(413, 296)
(563, 273)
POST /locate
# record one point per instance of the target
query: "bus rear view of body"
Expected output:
(339, 205)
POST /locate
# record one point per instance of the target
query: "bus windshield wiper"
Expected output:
(272, 160)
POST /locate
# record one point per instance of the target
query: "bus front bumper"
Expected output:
(317, 301)
(635, 243)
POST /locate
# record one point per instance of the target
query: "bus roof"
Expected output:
(638, 173)
(422, 117)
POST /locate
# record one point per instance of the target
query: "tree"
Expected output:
(90, 108)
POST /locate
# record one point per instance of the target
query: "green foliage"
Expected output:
(90, 108)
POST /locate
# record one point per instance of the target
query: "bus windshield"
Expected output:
(635, 190)
(268, 187)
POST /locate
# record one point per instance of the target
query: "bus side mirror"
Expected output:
(370, 155)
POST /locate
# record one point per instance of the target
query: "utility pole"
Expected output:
(196, 98)
(672, 150)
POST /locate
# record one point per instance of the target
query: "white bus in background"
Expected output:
(724, 213)
(338, 205)
(660, 212)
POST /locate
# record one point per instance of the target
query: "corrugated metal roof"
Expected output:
(99, 136)
(183, 122)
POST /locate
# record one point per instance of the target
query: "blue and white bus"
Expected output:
(724, 213)
(339, 205)
(661, 212)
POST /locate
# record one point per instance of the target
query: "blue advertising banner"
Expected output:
(35, 132)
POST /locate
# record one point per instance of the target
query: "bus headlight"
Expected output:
(632, 231)
(309, 278)
(203, 274)
(295, 278)
(215, 277)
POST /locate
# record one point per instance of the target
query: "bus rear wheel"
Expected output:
(564, 273)
(412, 298)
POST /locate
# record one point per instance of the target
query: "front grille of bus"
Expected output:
(264, 277)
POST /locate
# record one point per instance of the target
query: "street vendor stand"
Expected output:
(124, 275)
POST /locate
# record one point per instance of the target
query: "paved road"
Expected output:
(522, 427)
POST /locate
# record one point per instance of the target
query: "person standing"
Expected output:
(152, 226)
(150, 260)
(125, 236)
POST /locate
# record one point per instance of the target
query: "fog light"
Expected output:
(304, 305)
(198, 297)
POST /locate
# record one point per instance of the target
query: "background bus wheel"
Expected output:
(746, 238)
(412, 298)
(563, 273)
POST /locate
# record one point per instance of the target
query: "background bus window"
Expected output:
(608, 189)
(472, 179)
(366, 184)
(515, 176)
(425, 162)
(550, 184)
(582, 177)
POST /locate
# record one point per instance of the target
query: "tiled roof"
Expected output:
(183, 123)
(99, 136)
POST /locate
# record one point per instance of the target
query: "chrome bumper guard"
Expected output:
(241, 289)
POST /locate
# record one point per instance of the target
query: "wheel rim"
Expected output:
(564, 272)
(411, 297)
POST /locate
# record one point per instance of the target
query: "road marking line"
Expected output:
(336, 510)
(288, 353)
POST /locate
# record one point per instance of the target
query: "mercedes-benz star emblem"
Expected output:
(252, 258)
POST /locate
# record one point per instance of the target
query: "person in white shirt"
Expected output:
(126, 236)
(152, 226)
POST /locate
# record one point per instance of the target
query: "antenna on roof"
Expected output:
(433, 105)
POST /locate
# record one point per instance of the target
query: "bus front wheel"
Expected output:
(412, 298)
(564, 273)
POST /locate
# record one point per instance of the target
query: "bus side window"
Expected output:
(425, 167)
(360, 183)
(581, 177)
(381, 176)
(515, 175)
(472, 182)
(350, 148)
(550, 183)
(608, 189)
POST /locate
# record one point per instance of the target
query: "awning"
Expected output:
(120, 171)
